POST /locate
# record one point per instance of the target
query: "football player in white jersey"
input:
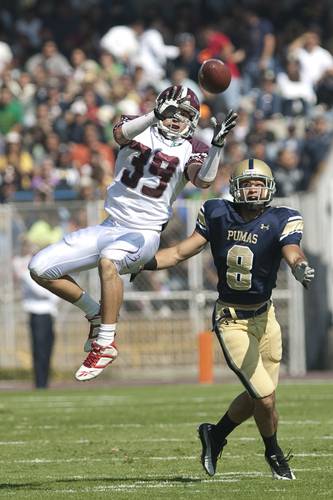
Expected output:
(158, 156)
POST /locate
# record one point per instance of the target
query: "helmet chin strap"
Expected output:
(176, 139)
(174, 134)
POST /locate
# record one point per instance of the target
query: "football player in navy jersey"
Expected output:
(158, 155)
(247, 238)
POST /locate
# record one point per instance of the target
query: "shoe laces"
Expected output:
(283, 460)
(220, 448)
(92, 358)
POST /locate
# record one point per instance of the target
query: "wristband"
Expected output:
(208, 171)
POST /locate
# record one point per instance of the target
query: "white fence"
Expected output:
(163, 311)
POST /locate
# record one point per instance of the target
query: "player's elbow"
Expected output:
(119, 136)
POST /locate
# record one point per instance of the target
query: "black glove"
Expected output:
(221, 130)
(134, 275)
(151, 265)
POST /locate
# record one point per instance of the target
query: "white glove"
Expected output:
(221, 130)
(303, 273)
(168, 106)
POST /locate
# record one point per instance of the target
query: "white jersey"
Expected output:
(150, 174)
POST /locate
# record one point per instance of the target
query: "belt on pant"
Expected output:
(232, 313)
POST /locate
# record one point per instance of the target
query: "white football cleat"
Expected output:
(95, 323)
(98, 359)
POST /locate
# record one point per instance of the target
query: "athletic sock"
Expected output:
(271, 445)
(106, 334)
(223, 428)
(88, 305)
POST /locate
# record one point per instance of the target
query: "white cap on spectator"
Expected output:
(78, 108)
(128, 107)
(105, 113)
(13, 137)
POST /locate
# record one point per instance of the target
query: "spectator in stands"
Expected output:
(11, 111)
(6, 56)
(268, 103)
(51, 60)
(25, 93)
(41, 307)
(297, 95)
(188, 57)
(243, 125)
(123, 41)
(315, 61)
(29, 25)
(45, 179)
(317, 144)
(294, 139)
(288, 173)
(260, 48)
(52, 147)
(154, 52)
(260, 132)
(219, 45)
(179, 76)
(75, 121)
(16, 164)
(82, 153)
(78, 60)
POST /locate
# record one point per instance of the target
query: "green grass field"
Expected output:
(141, 443)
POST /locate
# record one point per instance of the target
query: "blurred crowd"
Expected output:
(70, 69)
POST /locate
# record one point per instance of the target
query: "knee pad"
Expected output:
(40, 268)
(35, 267)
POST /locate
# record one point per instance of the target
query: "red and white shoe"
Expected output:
(95, 323)
(98, 359)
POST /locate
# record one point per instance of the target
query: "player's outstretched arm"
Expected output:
(169, 257)
(298, 263)
(203, 176)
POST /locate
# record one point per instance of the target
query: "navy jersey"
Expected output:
(247, 255)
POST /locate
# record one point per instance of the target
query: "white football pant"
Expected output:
(127, 248)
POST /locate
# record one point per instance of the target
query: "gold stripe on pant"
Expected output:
(253, 350)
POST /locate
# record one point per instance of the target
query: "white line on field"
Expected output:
(137, 486)
(162, 426)
(323, 454)
(28, 442)
(157, 458)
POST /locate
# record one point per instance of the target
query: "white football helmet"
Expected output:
(185, 100)
(247, 170)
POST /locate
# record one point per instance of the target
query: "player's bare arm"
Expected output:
(295, 258)
(169, 257)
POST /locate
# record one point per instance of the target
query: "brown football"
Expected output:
(214, 76)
